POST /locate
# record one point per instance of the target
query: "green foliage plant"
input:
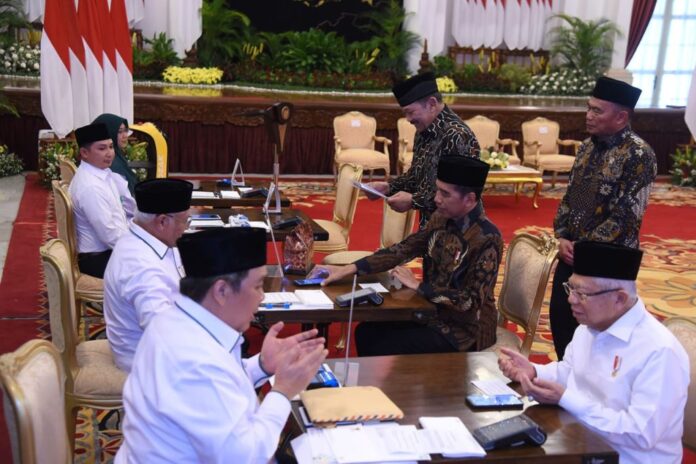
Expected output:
(444, 66)
(225, 32)
(137, 152)
(11, 18)
(684, 167)
(584, 45)
(313, 50)
(10, 164)
(50, 154)
(514, 75)
(150, 62)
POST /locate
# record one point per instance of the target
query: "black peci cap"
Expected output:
(600, 259)
(162, 196)
(616, 91)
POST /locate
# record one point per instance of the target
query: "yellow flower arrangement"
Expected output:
(180, 75)
(446, 85)
(497, 160)
(192, 92)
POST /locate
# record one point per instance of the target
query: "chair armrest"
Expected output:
(403, 144)
(570, 143)
(513, 144)
(384, 140)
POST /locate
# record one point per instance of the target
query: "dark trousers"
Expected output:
(93, 264)
(387, 338)
(563, 324)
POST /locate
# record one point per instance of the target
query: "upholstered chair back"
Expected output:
(528, 265)
(67, 170)
(65, 221)
(543, 131)
(395, 226)
(347, 195)
(33, 392)
(487, 131)
(684, 328)
(407, 133)
(356, 130)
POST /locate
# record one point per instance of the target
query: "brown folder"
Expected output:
(359, 404)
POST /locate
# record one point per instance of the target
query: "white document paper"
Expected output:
(377, 287)
(230, 195)
(245, 189)
(448, 436)
(205, 223)
(494, 386)
(260, 224)
(300, 299)
(368, 189)
(202, 195)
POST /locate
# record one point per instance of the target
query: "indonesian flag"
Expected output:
(90, 28)
(124, 58)
(112, 102)
(512, 23)
(61, 53)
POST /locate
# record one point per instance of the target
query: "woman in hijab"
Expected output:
(118, 130)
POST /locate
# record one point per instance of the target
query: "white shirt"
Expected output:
(628, 383)
(102, 206)
(190, 396)
(140, 280)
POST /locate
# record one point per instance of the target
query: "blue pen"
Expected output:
(285, 305)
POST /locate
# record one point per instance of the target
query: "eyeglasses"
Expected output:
(176, 219)
(584, 296)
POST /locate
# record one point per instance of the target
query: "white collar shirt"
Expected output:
(629, 384)
(102, 206)
(190, 396)
(141, 279)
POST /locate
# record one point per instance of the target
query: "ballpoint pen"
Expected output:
(285, 305)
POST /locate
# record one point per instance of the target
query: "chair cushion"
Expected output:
(336, 241)
(514, 161)
(369, 159)
(89, 288)
(97, 374)
(558, 163)
(345, 257)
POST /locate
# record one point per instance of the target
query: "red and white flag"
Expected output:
(90, 29)
(112, 102)
(124, 58)
(512, 23)
(56, 94)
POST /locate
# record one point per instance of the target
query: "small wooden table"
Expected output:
(518, 175)
(255, 214)
(219, 202)
(399, 305)
(437, 385)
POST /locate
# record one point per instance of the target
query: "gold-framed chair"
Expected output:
(355, 135)
(407, 135)
(528, 265)
(542, 144)
(395, 227)
(92, 378)
(343, 212)
(684, 328)
(88, 289)
(487, 132)
(157, 165)
(67, 170)
(33, 383)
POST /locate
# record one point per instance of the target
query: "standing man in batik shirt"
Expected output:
(607, 194)
(439, 133)
(461, 250)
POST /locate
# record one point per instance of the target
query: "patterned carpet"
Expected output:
(667, 281)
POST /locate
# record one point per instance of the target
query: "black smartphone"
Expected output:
(494, 402)
(205, 217)
(309, 282)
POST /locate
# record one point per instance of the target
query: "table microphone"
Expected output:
(275, 245)
(348, 380)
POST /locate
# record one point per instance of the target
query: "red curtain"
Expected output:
(640, 17)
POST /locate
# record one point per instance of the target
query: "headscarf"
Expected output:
(120, 163)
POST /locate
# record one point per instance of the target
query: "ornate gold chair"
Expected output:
(344, 210)
(158, 157)
(407, 134)
(87, 288)
(67, 170)
(684, 328)
(354, 140)
(33, 383)
(487, 132)
(395, 227)
(527, 268)
(92, 378)
(541, 147)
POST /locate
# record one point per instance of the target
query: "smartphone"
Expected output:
(494, 402)
(205, 217)
(308, 282)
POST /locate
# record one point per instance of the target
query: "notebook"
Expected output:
(327, 406)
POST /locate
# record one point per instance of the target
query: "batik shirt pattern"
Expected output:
(608, 190)
(448, 135)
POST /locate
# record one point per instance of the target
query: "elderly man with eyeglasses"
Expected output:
(624, 375)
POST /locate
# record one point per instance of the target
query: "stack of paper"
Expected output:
(204, 223)
(197, 194)
(230, 194)
(299, 299)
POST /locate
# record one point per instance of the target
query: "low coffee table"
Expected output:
(518, 175)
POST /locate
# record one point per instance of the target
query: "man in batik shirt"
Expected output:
(461, 250)
(439, 133)
(607, 194)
